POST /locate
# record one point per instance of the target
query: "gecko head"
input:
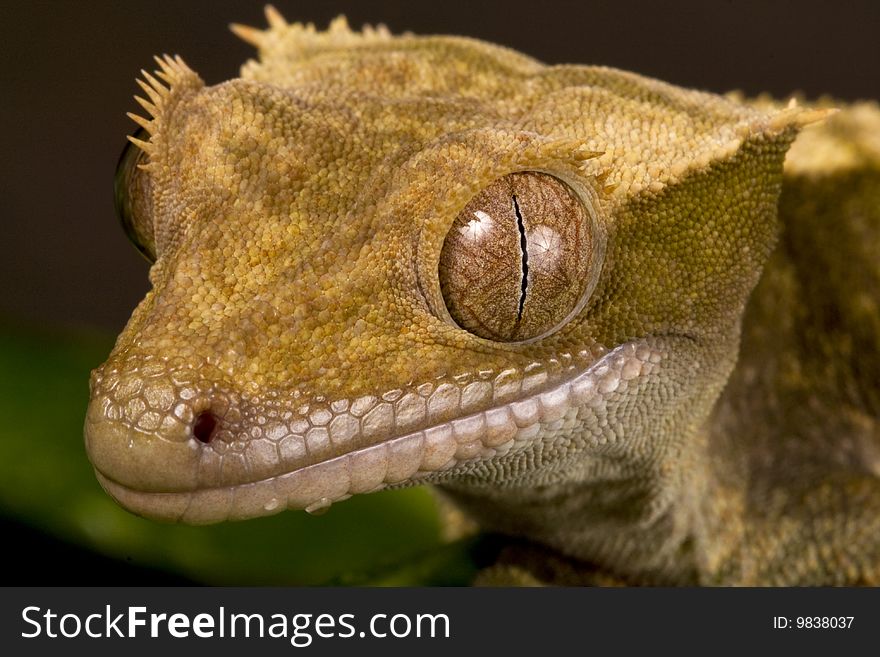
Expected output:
(420, 259)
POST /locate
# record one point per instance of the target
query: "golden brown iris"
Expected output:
(516, 262)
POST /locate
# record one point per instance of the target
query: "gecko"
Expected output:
(633, 327)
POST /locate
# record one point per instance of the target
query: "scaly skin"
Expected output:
(298, 214)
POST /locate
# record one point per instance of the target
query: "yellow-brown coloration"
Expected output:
(298, 216)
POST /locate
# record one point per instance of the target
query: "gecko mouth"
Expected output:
(437, 453)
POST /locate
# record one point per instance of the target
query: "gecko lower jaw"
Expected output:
(432, 454)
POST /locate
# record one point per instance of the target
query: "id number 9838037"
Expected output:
(813, 622)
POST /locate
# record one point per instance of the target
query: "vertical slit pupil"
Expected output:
(520, 224)
(205, 426)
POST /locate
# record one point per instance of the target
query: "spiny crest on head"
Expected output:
(304, 39)
(179, 78)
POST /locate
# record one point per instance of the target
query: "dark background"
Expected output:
(68, 69)
(67, 74)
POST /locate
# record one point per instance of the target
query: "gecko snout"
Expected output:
(155, 427)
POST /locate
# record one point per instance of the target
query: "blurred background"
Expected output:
(70, 279)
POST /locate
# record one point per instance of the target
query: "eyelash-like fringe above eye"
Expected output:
(178, 77)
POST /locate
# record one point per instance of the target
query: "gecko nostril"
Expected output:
(205, 426)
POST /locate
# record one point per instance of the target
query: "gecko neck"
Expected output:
(649, 522)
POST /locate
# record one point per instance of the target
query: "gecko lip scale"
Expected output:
(430, 454)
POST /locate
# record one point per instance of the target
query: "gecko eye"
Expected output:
(517, 262)
(131, 190)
